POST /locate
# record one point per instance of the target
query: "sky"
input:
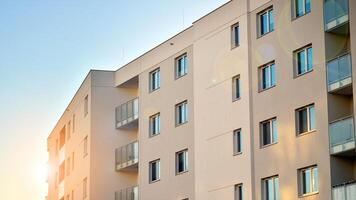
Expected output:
(46, 49)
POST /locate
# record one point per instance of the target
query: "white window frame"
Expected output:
(236, 90)
(264, 191)
(185, 161)
(238, 191)
(177, 61)
(235, 43)
(155, 75)
(311, 181)
(183, 112)
(303, 50)
(155, 124)
(158, 170)
(270, 121)
(266, 11)
(309, 128)
(270, 84)
(237, 141)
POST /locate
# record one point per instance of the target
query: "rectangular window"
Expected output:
(69, 130)
(68, 166)
(72, 161)
(85, 188)
(235, 35)
(238, 194)
(269, 132)
(154, 173)
(305, 119)
(308, 180)
(72, 194)
(267, 76)
(181, 113)
(236, 88)
(270, 188)
(266, 21)
(73, 123)
(182, 161)
(237, 141)
(303, 60)
(86, 105)
(181, 66)
(85, 146)
(155, 124)
(155, 80)
(302, 7)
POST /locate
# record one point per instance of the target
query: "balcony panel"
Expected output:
(342, 136)
(346, 191)
(339, 75)
(130, 193)
(127, 114)
(127, 157)
(336, 14)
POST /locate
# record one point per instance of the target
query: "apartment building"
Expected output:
(253, 101)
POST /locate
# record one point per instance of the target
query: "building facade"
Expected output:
(253, 101)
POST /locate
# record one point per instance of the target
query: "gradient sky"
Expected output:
(46, 49)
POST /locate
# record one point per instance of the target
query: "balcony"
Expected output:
(345, 191)
(336, 16)
(127, 157)
(342, 136)
(130, 193)
(339, 75)
(127, 114)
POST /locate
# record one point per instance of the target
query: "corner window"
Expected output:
(267, 76)
(155, 80)
(86, 105)
(305, 119)
(238, 194)
(181, 113)
(308, 180)
(301, 7)
(303, 60)
(235, 35)
(155, 125)
(182, 161)
(266, 21)
(237, 141)
(236, 88)
(154, 171)
(181, 66)
(270, 188)
(269, 132)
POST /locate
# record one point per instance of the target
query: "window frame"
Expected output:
(85, 146)
(153, 87)
(176, 66)
(266, 11)
(185, 161)
(303, 49)
(312, 182)
(177, 113)
(264, 185)
(270, 84)
(234, 43)
(158, 171)
(237, 142)
(86, 105)
(238, 191)
(297, 121)
(236, 88)
(152, 120)
(262, 134)
(295, 9)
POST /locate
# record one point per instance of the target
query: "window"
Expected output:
(266, 21)
(301, 7)
(73, 123)
(237, 141)
(85, 188)
(235, 35)
(85, 146)
(86, 104)
(155, 80)
(155, 125)
(308, 180)
(305, 119)
(269, 132)
(67, 197)
(69, 129)
(303, 60)
(181, 66)
(236, 88)
(72, 194)
(154, 173)
(270, 187)
(182, 161)
(72, 161)
(268, 76)
(181, 113)
(68, 166)
(238, 195)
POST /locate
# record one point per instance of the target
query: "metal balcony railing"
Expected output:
(342, 135)
(126, 113)
(339, 72)
(127, 156)
(130, 193)
(345, 191)
(336, 12)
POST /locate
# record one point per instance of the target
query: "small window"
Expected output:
(85, 188)
(238, 193)
(154, 173)
(301, 7)
(85, 146)
(86, 105)
(155, 80)
(181, 161)
(269, 132)
(305, 119)
(267, 76)
(73, 126)
(303, 60)
(69, 130)
(181, 113)
(308, 180)
(266, 21)
(181, 66)
(155, 125)
(72, 194)
(72, 161)
(237, 142)
(68, 166)
(236, 88)
(235, 35)
(270, 188)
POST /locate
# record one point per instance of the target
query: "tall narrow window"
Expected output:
(86, 105)
(155, 124)
(72, 161)
(182, 161)
(181, 66)
(85, 188)
(155, 80)
(181, 113)
(72, 194)
(303, 60)
(73, 123)
(271, 188)
(69, 130)
(85, 146)
(267, 76)
(238, 193)
(302, 7)
(305, 119)
(269, 132)
(235, 35)
(237, 141)
(236, 88)
(308, 180)
(266, 21)
(154, 171)
(68, 166)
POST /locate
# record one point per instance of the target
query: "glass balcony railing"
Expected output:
(126, 113)
(339, 72)
(346, 191)
(342, 135)
(336, 12)
(130, 193)
(127, 156)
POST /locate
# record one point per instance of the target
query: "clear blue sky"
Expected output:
(46, 49)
